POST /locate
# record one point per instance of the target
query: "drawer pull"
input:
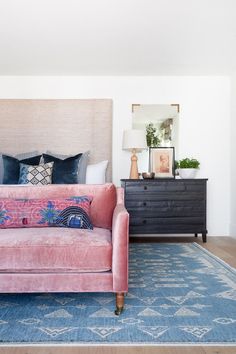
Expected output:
(144, 204)
(144, 222)
(145, 188)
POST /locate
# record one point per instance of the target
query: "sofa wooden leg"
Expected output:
(119, 303)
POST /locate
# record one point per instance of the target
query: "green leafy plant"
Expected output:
(151, 136)
(187, 163)
(176, 164)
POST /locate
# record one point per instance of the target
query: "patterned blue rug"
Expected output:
(178, 293)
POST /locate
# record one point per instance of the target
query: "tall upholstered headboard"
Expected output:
(64, 126)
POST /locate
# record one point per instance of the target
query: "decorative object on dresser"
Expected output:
(161, 162)
(147, 175)
(166, 206)
(187, 167)
(134, 140)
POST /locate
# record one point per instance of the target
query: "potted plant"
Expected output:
(187, 167)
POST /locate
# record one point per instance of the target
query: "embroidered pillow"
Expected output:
(36, 175)
(71, 212)
(11, 212)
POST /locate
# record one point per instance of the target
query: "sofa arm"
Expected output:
(120, 248)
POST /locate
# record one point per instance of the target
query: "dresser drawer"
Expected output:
(149, 195)
(163, 186)
(166, 225)
(166, 229)
(192, 220)
(165, 208)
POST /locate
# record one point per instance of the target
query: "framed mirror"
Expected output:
(161, 123)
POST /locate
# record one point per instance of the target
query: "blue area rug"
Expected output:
(178, 293)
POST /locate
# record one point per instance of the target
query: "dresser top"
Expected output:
(163, 179)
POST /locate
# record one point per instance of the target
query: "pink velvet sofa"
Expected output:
(57, 259)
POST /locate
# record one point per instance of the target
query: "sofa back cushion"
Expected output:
(101, 209)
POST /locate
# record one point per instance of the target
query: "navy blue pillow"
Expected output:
(11, 166)
(64, 171)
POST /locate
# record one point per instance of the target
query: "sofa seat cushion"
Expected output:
(55, 250)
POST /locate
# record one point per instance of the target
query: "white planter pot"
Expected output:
(187, 172)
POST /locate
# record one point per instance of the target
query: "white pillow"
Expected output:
(96, 173)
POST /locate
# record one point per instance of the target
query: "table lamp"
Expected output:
(135, 141)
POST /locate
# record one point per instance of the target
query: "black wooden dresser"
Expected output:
(166, 206)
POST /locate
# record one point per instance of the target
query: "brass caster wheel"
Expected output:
(118, 311)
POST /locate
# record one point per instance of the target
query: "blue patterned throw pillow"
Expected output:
(36, 175)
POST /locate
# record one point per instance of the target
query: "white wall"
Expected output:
(233, 160)
(204, 121)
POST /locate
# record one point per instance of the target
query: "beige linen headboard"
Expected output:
(67, 126)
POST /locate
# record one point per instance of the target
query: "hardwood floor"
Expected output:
(223, 247)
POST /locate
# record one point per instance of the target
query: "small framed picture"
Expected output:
(162, 162)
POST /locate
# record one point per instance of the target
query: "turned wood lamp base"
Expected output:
(134, 140)
(134, 166)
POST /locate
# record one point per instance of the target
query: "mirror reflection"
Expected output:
(160, 122)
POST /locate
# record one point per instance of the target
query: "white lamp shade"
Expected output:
(134, 139)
